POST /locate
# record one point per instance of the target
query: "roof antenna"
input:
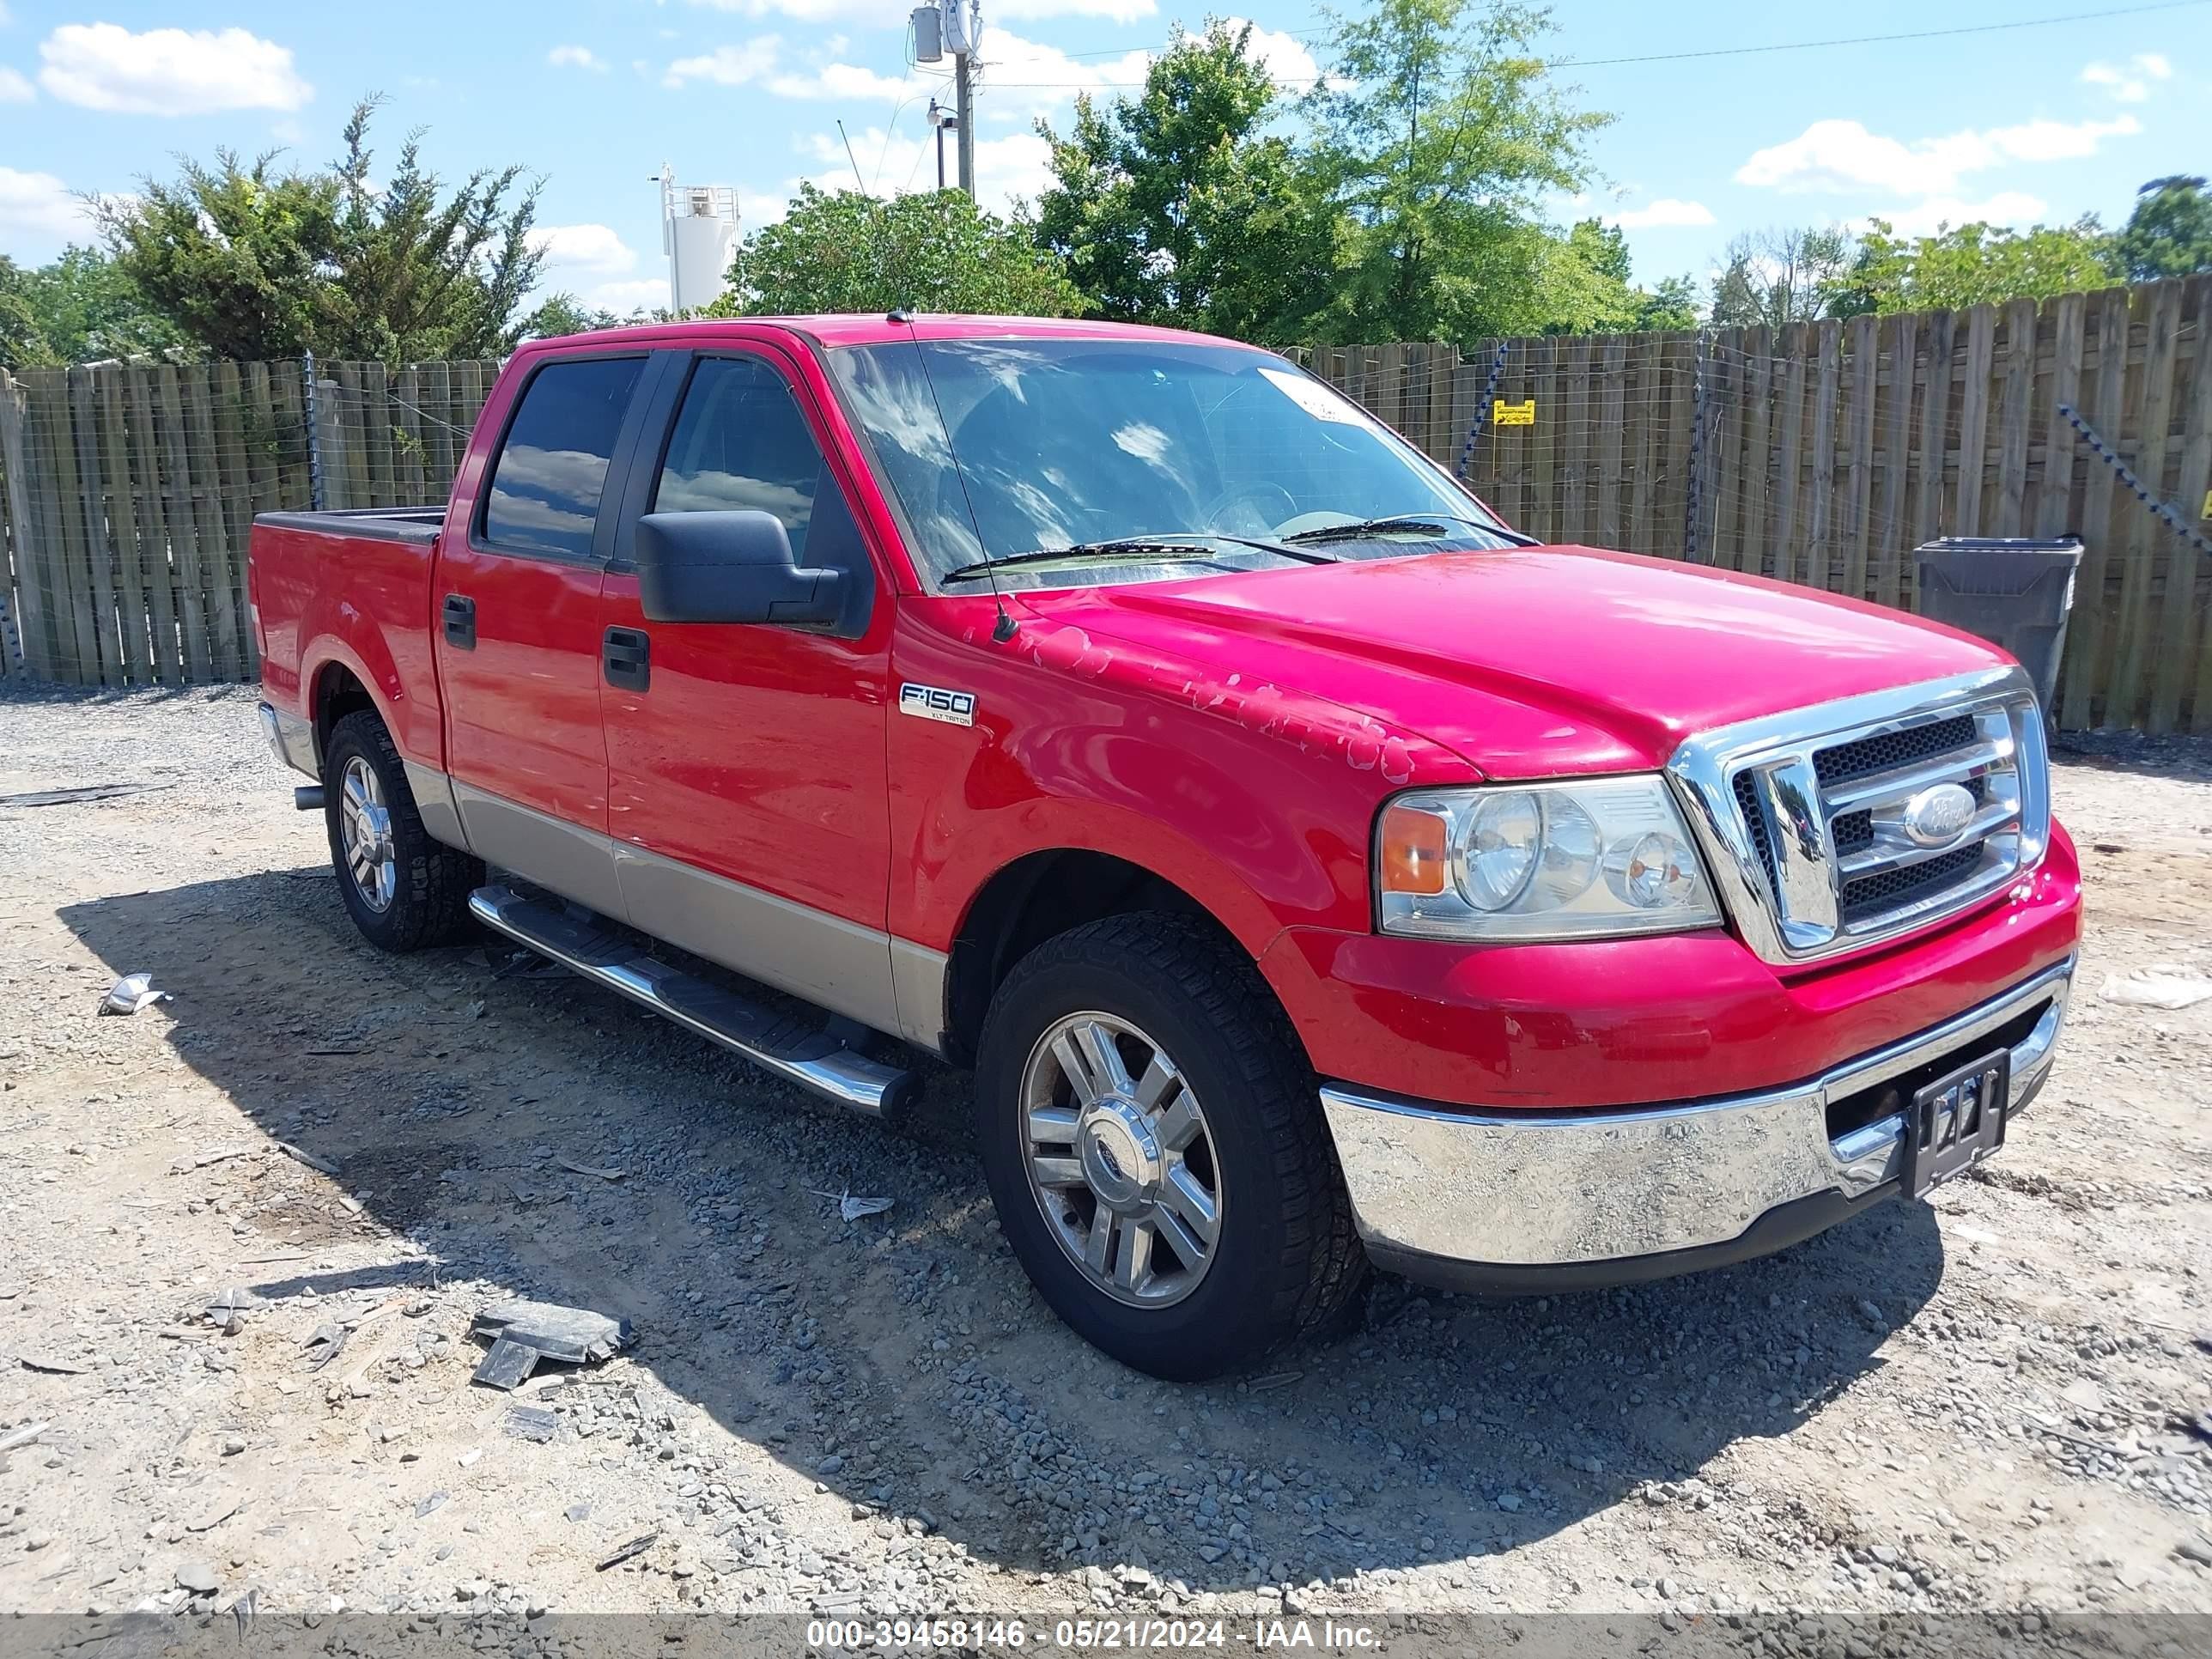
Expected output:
(1004, 629)
(849, 156)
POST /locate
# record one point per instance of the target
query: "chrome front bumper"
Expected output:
(1520, 1200)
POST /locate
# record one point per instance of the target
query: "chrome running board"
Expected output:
(799, 1049)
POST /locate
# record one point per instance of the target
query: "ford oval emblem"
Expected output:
(1938, 815)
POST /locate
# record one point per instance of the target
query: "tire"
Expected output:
(424, 885)
(1283, 1261)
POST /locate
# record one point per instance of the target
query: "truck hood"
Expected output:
(1528, 662)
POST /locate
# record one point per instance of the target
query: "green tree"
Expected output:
(1439, 132)
(1592, 288)
(85, 309)
(1973, 264)
(237, 257)
(564, 314)
(844, 250)
(1777, 277)
(1672, 304)
(2169, 234)
(1176, 206)
(246, 261)
(22, 343)
(422, 275)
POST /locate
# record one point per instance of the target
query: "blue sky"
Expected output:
(2036, 124)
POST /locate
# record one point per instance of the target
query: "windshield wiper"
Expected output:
(1403, 524)
(1177, 546)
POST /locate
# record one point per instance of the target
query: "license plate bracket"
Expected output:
(1954, 1122)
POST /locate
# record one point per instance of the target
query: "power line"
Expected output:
(1679, 56)
(1877, 40)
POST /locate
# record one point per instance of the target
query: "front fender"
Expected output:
(1257, 802)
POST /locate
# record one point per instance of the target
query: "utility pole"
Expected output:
(963, 22)
(962, 80)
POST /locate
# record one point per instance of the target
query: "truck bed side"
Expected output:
(346, 596)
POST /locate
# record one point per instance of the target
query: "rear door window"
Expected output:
(552, 469)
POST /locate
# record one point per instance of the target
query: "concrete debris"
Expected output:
(532, 1423)
(637, 1546)
(577, 1335)
(325, 1345)
(51, 1367)
(131, 994)
(226, 1310)
(304, 1156)
(575, 1168)
(854, 1208)
(2157, 985)
(214, 1512)
(506, 1365)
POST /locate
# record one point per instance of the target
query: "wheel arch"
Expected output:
(1037, 896)
(334, 691)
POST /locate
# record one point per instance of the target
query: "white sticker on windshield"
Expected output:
(1316, 399)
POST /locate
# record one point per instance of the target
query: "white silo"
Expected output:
(698, 223)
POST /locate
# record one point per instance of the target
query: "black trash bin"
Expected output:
(2015, 591)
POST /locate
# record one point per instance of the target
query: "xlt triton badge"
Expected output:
(933, 702)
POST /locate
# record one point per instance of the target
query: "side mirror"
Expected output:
(733, 566)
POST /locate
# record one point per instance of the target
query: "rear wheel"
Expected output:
(402, 889)
(1156, 1150)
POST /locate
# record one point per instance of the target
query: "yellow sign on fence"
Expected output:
(1505, 414)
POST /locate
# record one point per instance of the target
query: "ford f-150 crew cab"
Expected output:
(1313, 872)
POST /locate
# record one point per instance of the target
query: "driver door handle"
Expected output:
(625, 656)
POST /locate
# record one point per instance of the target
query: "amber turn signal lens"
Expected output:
(1413, 851)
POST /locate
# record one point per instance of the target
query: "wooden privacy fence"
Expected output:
(1823, 453)
(1820, 453)
(126, 491)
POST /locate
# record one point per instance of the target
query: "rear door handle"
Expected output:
(461, 616)
(626, 654)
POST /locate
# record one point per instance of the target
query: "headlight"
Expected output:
(1589, 860)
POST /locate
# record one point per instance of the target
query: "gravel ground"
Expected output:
(1994, 1401)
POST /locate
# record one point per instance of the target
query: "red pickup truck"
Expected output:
(1314, 872)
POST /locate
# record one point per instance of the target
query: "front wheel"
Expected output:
(1156, 1150)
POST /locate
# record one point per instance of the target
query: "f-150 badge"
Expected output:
(933, 702)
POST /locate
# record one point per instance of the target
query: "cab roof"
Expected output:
(846, 328)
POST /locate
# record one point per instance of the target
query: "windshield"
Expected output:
(1002, 448)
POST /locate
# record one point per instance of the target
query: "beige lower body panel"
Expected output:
(433, 799)
(890, 985)
(836, 963)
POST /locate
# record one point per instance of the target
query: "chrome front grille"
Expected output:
(1856, 821)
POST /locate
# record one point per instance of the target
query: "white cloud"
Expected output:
(2130, 84)
(37, 213)
(1118, 11)
(584, 247)
(1022, 77)
(1925, 218)
(728, 66)
(848, 81)
(15, 88)
(1666, 211)
(582, 58)
(105, 66)
(1843, 156)
(639, 293)
(806, 11)
(1285, 55)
